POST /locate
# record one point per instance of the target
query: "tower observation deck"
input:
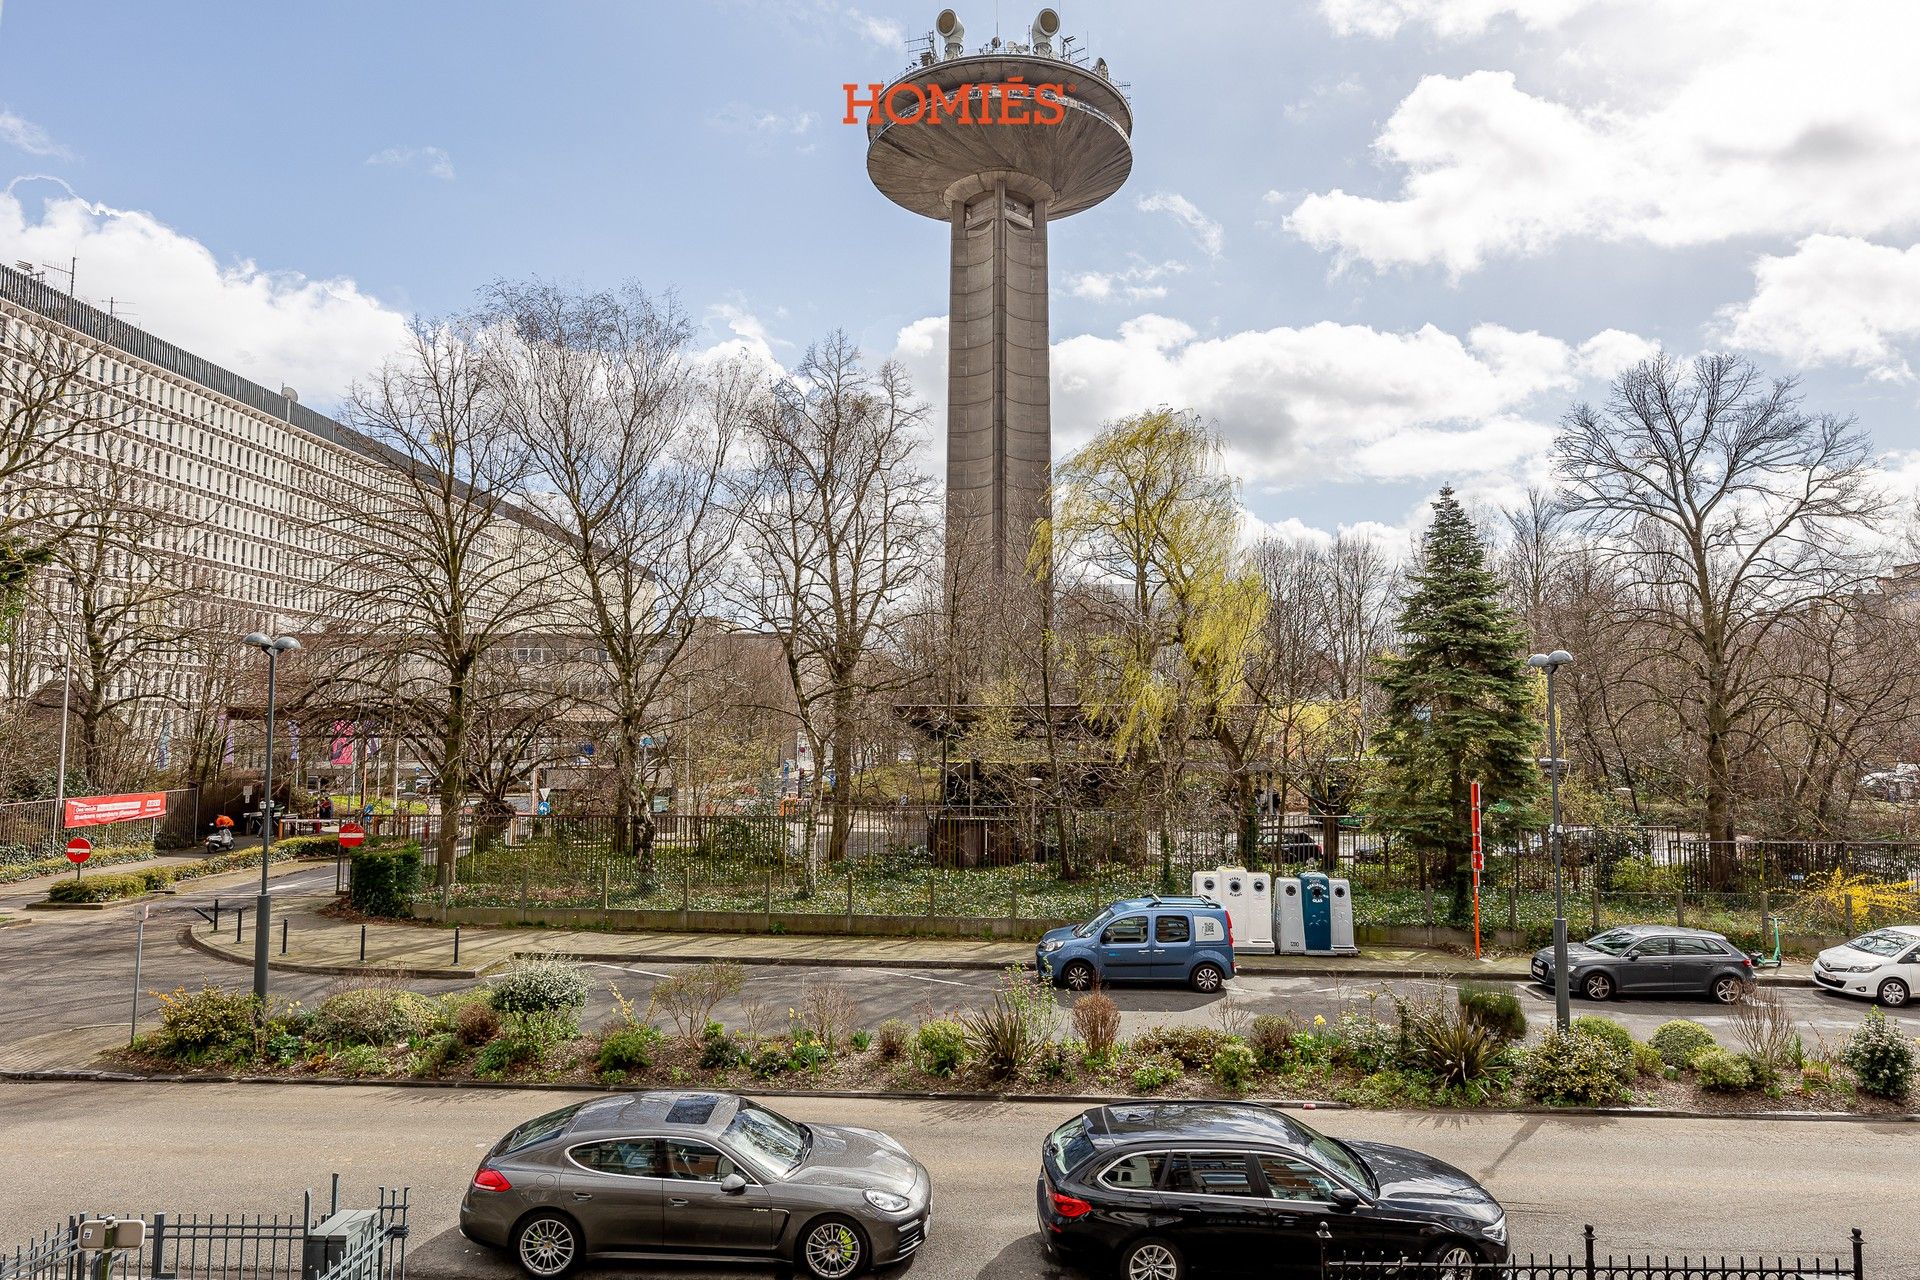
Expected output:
(998, 143)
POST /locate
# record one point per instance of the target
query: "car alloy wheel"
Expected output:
(1728, 989)
(1207, 978)
(547, 1246)
(1153, 1260)
(1078, 976)
(832, 1250)
(1597, 986)
(1893, 993)
(1452, 1261)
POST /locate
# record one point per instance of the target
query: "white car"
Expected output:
(1883, 965)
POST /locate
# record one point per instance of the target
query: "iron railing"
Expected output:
(226, 1246)
(31, 830)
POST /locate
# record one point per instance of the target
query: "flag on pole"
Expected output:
(342, 743)
(163, 752)
(293, 741)
(226, 751)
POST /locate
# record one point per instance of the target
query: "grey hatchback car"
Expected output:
(1651, 959)
(696, 1177)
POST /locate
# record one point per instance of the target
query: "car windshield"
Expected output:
(768, 1139)
(1094, 925)
(1881, 942)
(1336, 1155)
(1613, 941)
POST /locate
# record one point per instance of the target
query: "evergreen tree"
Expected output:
(1460, 706)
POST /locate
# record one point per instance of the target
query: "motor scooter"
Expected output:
(221, 840)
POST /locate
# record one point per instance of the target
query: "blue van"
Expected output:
(1186, 940)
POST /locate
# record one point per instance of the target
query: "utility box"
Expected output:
(345, 1234)
(1248, 898)
(1313, 915)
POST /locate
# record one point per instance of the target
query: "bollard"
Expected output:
(456, 944)
(215, 926)
(363, 944)
(849, 899)
(605, 884)
(239, 922)
(283, 935)
(1596, 900)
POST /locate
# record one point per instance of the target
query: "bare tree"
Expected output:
(446, 564)
(837, 525)
(630, 441)
(1732, 508)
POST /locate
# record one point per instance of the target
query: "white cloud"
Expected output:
(738, 117)
(23, 134)
(271, 326)
(875, 30)
(1137, 283)
(747, 336)
(1205, 231)
(1833, 300)
(1452, 18)
(1671, 122)
(430, 160)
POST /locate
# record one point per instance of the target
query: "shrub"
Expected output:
(385, 880)
(689, 997)
(893, 1039)
(719, 1050)
(1574, 1069)
(1192, 1047)
(1677, 1041)
(439, 1053)
(308, 846)
(1766, 1033)
(1451, 1046)
(1721, 1071)
(1057, 1058)
(808, 1054)
(1233, 1066)
(1271, 1039)
(1647, 1060)
(1880, 1058)
(940, 1047)
(540, 986)
(1096, 1020)
(524, 1041)
(476, 1023)
(107, 888)
(1363, 1043)
(825, 1011)
(861, 1041)
(370, 1015)
(359, 1060)
(1495, 1008)
(628, 1049)
(772, 1061)
(1612, 1032)
(207, 1023)
(1156, 1072)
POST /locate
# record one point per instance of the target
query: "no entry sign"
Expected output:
(352, 835)
(79, 849)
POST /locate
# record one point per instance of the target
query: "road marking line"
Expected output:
(625, 968)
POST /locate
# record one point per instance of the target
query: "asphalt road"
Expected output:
(75, 969)
(1664, 1186)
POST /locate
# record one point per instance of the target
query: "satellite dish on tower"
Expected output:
(290, 393)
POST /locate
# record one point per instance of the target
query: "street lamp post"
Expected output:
(1551, 663)
(263, 905)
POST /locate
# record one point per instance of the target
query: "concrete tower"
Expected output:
(997, 143)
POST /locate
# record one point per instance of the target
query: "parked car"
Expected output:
(1289, 847)
(1168, 1190)
(702, 1177)
(1649, 959)
(1183, 939)
(1883, 965)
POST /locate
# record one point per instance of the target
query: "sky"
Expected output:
(1379, 245)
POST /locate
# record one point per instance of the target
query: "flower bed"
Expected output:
(1380, 1051)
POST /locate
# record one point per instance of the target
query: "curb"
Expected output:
(188, 936)
(89, 1076)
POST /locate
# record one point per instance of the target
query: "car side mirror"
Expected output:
(733, 1184)
(1346, 1200)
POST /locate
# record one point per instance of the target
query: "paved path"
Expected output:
(1646, 1185)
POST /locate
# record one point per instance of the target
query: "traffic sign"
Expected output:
(352, 835)
(79, 849)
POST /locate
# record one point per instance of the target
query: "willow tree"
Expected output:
(1460, 702)
(1146, 521)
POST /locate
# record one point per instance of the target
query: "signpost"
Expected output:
(79, 849)
(352, 835)
(1479, 863)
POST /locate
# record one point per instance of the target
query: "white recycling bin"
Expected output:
(1248, 898)
(1313, 915)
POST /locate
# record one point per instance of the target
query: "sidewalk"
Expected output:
(319, 943)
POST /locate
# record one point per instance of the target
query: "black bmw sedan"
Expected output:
(1169, 1190)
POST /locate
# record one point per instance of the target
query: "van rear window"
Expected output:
(1068, 1146)
(538, 1129)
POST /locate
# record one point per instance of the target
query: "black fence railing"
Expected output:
(31, 830)
(231, 1246)
(1591, 1264)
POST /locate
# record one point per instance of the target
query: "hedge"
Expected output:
(53, 866)
(130, 884)
(384, 881)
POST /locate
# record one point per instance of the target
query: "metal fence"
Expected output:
(231, 1247)
(1591, 1264)
(31, 830)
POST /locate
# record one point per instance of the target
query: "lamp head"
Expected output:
(258, 640)
(286, 644)
(1537, 660)
(1559, 657)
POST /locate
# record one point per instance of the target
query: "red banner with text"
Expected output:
(93, 811)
